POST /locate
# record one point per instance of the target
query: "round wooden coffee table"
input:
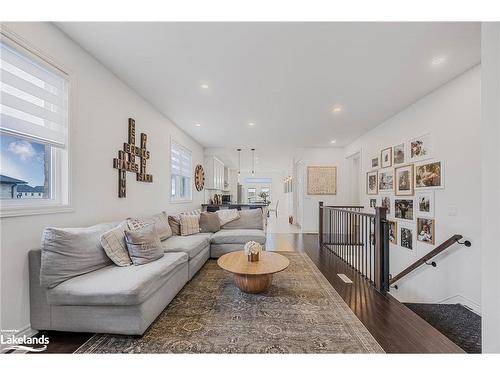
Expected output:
(253, 277)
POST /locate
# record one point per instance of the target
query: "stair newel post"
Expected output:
(381, 250)
(320, 229)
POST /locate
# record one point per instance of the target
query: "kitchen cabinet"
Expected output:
(214, 174)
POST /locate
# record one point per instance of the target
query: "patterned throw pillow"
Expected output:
(226, 216)
(144, 245)
(159, 220)
(190, 224)
(115, 246)
(175, 221)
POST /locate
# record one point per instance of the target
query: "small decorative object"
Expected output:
(404, 180)
(425, 230)
(371, 183)
(386, 180)
(375, 162)
(398, 154)
(425, 204)
(252, 250)
(429, 175)
(420, 148)
(199, 177)
(322, 180)
(126, 160)
(386, 157)
(403, 209)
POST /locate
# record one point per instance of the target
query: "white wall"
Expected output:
(490, 187)
(100, 105)
(452, 115)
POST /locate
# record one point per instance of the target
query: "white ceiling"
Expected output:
(284, 77)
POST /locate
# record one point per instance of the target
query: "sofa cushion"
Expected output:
(159, 220)
(226, 216)
(144, 245)
(114, 285)
(249, 219)
(114, 245)
(238, 236)
(69, 252)
(192, 245)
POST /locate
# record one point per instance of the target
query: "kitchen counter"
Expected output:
(239, 206)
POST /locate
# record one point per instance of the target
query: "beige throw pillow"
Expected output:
(159, 220)
(190, 224)
(115, 246)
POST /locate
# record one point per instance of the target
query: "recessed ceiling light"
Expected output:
(333, 141)
(204, 86)
(197, 125)
(337, 109)
(251, 124)
(438, 60)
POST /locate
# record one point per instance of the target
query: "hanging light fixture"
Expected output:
(239, 161)
(253, 161)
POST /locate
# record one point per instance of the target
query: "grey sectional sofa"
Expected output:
(126, 300)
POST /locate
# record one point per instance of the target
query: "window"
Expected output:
(33, 132)
(180, 173)
(251, 194)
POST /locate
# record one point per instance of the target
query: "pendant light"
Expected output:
(239, 161)
(253, 161)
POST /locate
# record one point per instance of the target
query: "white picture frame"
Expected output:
(397, 159)
(419, 148)
(424, 204)
(386, 180)
(404, 209)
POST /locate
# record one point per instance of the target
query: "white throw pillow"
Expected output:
(226, 216)
(115, 246)
(190, 224)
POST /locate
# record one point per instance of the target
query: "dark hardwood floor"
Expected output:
(396, 328)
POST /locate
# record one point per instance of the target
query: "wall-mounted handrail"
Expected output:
(446, 244)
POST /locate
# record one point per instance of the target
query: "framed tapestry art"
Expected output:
(321, 180)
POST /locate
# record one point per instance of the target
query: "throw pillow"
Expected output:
(226, 216)
(209, 222)
(115, 246)
(249, 219)
(71, 252)
(175, 221)
(190, 224)
(159, 220)
(144, 245)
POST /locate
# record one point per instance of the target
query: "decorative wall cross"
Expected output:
(126, 160)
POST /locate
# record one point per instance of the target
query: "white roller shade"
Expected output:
(181, 160)
(33, 96)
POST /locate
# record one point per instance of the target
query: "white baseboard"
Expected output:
(474, 306)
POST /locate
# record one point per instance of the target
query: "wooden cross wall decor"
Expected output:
(126, 160)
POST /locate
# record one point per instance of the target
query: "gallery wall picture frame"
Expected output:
(399, 154)
(386, 180)
(403, 180)
(393, 232)
(426, 230)
(385, 201)
(404, 209)
(321, 180)
(429, 175)
(419, 148)
(386, 157)
(373, 202)
(424, 204)
(372, 183)
(407, 237)
(375, 162)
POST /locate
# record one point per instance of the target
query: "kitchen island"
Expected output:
(238, 206)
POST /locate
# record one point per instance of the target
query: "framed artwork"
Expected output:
(375, 162)
(407, 237)
(403, 209)
(386, 202)
(419, 148)
(424, 203)
(386, 180)
(373, 202)
(371, 183)
(426, 230)
(403, 177)
(398, 154)
(393, 232)
(429, 175)
(322, 180)
(386, 157)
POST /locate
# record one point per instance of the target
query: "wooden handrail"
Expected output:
(446, 244)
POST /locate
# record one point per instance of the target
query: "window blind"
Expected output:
(33, 96)
(180, 160)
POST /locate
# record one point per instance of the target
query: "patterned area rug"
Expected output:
(300, 313)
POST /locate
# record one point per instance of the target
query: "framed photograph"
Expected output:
(403, 209)
(322, 180)
(407, 237)
(386, 157)
(429, 175)
(373, 202)
(371, 183)
(419, 148)
(375, 162)
(424, 203)
(426, 230)
(398, 154)
(403, 177)
(386, 180)
(393, 232)
(386, 202)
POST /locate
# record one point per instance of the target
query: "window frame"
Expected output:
(176, 198)
(60, 166)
